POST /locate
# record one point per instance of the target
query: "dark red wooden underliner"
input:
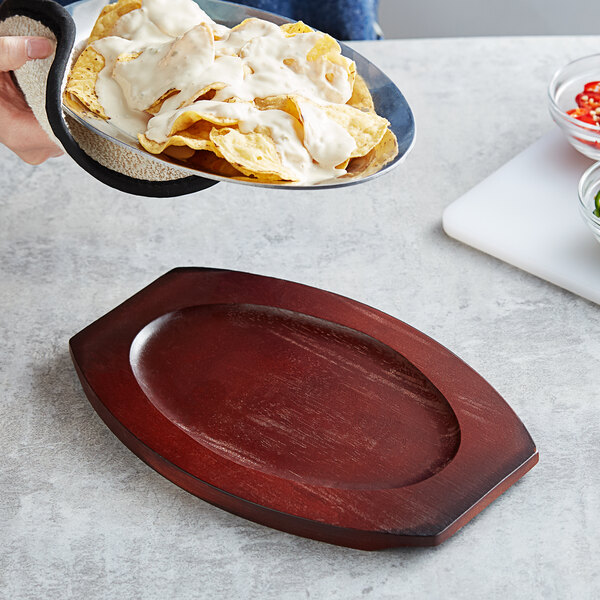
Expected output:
(301, 409)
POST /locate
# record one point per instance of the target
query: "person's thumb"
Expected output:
(17, 50)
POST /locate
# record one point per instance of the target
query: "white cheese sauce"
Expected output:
(282, 127)
(172, 45)
(327, 141)
(110, 94)
(178, 65)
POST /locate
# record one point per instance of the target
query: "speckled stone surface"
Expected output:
(82, 517)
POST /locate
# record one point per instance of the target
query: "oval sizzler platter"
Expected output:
(300, 409)
(388, 101)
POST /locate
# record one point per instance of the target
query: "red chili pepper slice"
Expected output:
(588, 100)
(582, 114)
(592, 86)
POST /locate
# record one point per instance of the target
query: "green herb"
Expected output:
(597, 203)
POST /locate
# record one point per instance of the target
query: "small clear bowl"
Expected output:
(564, 86)
(589, 186)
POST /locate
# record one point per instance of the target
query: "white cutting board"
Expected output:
(526, 214)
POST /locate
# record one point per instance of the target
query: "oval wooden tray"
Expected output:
(300, 409)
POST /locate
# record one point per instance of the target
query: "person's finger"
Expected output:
(15, 51)
(37, 156)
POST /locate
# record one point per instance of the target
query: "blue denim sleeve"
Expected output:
(343, 19)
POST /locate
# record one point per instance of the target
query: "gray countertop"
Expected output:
(82, 517)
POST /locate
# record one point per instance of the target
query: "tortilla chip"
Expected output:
(109, 16)
(182, 153)
(385, 151)
(328, 49)
(285, 103)
(245, 23)
(209, 94)
(254, 154)
(197, 137)
(81, 85)
(185, 120)
(366, 128)
(361, 97)
(292, 29)
(351, 68)
(210, 162)
(155, 107)
(206, 93)
(323, 48)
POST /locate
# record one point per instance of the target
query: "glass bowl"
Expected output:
(564, 86)
(589, 186)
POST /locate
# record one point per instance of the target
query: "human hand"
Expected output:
(19, 129)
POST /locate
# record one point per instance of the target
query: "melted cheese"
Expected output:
(172, 45)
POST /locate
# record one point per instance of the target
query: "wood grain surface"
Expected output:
(300, 409)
